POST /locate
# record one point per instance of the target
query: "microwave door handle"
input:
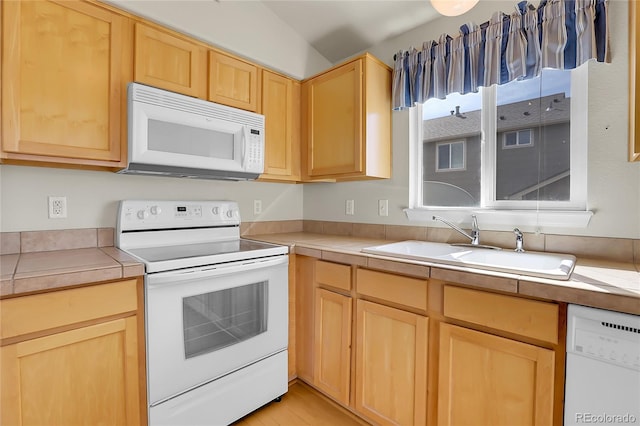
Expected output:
(243, 144)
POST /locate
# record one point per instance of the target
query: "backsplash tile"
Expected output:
(106, 237)
(401, 232)
(338, 228)
(369, 230)
(618, 249)
(34, 241)
(312, 226)
(9, 243)
(270, 227)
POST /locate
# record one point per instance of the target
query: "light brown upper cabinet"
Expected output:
(347, 121)
(233, 82)
(634, 81)
(169, 61)
(280, 106)
(64, 71)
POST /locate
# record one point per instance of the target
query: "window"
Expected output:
(450, 156)
(517, 146)
(517, 139)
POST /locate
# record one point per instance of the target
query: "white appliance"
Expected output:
(602, 367)
(216, 311)
(175, 135)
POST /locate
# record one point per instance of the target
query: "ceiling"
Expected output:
(340, 29)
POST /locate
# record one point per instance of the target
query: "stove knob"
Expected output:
(156, 210)
(143, 214)
(230, 214)
(215, 211)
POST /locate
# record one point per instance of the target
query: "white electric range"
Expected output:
(216, 310)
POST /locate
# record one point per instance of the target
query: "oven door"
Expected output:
(203, 323)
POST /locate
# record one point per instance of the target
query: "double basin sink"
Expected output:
(543, 265)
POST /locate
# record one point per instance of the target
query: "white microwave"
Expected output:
(176, 135)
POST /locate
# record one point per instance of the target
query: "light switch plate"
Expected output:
(383, 207)
(349, 208)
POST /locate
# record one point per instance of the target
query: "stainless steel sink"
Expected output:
(536, 264)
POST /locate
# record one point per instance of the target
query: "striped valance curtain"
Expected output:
(561, 34)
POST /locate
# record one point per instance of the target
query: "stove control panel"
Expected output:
(158, 215)
(187, 211)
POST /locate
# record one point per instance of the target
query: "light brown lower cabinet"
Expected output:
(332, 369)
(418, 351)
(86, 370)
(83, 376)
(489, 380)
(391, 365)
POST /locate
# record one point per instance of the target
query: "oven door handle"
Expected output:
(173, 277)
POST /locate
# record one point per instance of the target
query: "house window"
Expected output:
(450, 156)
(517, 139)
(477, 135)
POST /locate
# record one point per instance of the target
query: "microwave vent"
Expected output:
(153, 96)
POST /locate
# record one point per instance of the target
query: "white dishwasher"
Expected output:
(603, 367)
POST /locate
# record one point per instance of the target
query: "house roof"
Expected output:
(552, 109)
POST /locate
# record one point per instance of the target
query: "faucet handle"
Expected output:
(519, 240)
(474, 223)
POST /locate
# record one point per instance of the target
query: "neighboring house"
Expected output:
(532, 155)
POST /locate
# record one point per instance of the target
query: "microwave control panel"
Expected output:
(254, 161)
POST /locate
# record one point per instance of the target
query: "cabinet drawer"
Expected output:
(333, 274)
(393, 288)
(530, 318)
(29, 314)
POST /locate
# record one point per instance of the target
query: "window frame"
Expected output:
(518, 144)
(464, 156)
(572, 213)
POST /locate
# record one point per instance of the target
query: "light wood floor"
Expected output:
(301, 406)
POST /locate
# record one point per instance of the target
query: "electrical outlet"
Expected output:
(57, 207)
(383, 207)
(257, 206)
(349, 208)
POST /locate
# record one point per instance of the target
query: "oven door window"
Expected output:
(223, 318)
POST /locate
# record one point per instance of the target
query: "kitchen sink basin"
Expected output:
(536, 264)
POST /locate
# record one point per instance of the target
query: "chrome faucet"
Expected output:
(475, 231)
(519, 240)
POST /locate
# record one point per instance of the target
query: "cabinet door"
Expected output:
(233, 82)
(391, 365)
(83, 376)
(486, 379)
(334, 121)
(63, 82)
(169, 62)
(333, 344)
(280, 106)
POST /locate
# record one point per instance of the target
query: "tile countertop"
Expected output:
(47, 270)
(597, 283)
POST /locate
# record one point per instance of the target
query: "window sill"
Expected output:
(505, 218)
